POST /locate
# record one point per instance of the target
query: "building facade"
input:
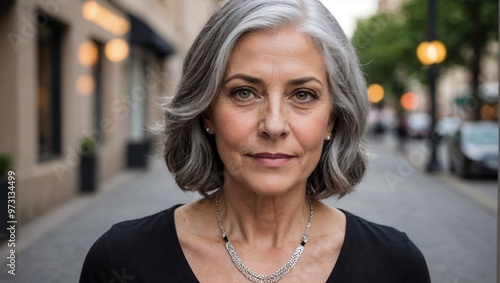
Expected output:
(75, 70)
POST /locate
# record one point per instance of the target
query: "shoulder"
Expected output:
(373, 233)
(134, 244)
(133, 232)
(384, 249)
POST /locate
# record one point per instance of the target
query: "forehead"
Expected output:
(287, 49)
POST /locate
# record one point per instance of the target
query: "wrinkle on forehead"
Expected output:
(266, 49)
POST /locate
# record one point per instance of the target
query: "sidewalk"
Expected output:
(52, 248)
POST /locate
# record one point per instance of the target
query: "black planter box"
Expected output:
(137, 154)
(88, 173)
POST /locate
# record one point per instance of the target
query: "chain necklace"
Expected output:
(252, 275)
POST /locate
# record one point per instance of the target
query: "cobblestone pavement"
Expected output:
(456, 234)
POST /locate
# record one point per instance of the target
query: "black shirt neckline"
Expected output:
(180, 258)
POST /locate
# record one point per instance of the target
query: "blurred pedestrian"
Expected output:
(267, 121)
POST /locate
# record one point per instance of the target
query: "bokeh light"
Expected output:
(116, 50)
(431, 52)
(375, 93)
(85, 84)
(409, 101)
(88, 54)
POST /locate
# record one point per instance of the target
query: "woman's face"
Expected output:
(272, 115)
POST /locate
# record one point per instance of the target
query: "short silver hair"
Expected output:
(190, 153)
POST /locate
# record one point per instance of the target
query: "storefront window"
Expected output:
(97, 74)
(139, 94)
(49, 91)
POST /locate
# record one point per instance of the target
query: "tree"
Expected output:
(387, 41)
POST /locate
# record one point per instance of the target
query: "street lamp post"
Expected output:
(432, 53)
(433, 164)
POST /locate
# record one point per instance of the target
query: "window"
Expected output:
(139, 93)
(97, 74)
(49, 90)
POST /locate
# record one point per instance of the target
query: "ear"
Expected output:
(207, 122)
(331, 123)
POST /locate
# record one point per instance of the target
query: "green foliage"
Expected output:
(87, 146)
(387, 42)
(5, 164)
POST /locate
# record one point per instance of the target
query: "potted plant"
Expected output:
(88, 165)
(5, 167)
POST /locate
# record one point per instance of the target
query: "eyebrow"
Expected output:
(247, 78)
(304, 80)
(255, 80)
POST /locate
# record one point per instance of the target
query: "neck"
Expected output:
(263, 221)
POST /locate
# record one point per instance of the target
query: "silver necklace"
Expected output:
(252, 275)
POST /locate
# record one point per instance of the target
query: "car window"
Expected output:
(481, 135)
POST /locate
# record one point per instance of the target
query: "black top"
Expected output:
(148, 250)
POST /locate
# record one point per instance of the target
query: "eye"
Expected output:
(303, 95)
(242, 93)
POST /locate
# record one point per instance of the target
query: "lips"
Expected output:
(267, 159)
(271, 155)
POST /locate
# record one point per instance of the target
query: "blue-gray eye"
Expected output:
(302, 95)
(244, 93)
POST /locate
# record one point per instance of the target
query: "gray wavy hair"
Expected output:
(191, 154)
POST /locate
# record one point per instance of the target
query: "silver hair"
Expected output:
(190, 153)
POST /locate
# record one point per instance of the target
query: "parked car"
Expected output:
(473, 149)
(418, 125)
(447, 126)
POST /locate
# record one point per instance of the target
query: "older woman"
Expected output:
(267, 120)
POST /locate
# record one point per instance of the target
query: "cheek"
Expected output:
(312, 132)
(232, 129)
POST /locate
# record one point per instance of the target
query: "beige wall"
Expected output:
(41, 186)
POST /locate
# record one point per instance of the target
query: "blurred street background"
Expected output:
(81, 82)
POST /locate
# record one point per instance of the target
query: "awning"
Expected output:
(142, 34)
(4, 5)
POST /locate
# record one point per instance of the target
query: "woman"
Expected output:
(267, 121)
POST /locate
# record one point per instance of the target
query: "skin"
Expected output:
(274, 101)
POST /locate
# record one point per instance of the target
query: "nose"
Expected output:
(273, 123)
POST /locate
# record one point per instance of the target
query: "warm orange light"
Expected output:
(409, 101)
(88, 54)
(116, 50)
(431, 52)
(85, 85)
(487, 112)
(101, 16)
(375, 93)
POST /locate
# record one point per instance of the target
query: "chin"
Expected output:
(273, 187)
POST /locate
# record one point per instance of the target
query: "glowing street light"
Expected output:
(431, 52)
(375, 93)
